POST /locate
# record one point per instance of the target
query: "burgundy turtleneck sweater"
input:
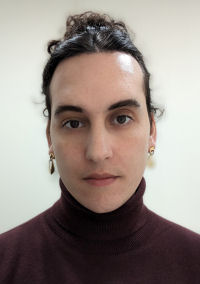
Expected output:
(69, 244)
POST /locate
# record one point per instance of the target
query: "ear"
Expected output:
(153, 133)
(49, 137)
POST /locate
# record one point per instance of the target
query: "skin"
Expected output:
(113, 141)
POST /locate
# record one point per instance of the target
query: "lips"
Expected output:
(103, 179)
(100, 176)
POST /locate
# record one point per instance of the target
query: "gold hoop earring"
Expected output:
(51, 163)
(151, 151)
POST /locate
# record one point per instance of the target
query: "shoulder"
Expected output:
(21, 247)
(24, 235)
(173, 248)
(173, 227)
(174, 237)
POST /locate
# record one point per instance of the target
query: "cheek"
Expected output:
(136, 142)
(68, 154)
(134, 149)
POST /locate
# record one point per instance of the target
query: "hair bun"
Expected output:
(89, 21)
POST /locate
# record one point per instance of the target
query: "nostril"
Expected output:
(98, 153)
(98, 147)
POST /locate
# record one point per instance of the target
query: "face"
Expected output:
(99, 130)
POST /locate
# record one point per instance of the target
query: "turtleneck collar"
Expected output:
(87, 226)
(111, 232)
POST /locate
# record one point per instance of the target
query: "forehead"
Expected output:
(97, 80)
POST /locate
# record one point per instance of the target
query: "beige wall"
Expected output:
(168, 33)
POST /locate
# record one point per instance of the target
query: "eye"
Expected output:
(72, 124)
(123, 119)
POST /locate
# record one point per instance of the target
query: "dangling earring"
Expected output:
(150, 161)
(51, 163)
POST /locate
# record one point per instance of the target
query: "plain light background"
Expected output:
(168, 34)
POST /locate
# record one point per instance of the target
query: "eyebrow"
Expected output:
(64, 108)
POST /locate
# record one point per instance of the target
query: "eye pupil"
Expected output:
(121, 118)
(74, 123)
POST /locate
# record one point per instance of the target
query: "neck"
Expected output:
(91, 227)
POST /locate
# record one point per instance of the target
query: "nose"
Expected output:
(98, 146)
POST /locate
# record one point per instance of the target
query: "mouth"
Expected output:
(101, 179)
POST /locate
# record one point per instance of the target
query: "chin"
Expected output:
(105, 206)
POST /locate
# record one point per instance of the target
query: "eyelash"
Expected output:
(120, 124)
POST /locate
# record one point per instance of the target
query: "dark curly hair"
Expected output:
(91, 32)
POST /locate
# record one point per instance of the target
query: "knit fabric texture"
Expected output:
(71, 244)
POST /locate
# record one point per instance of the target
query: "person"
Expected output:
(101, 131)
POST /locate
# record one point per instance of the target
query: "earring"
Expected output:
(151, 151)
(51, 163)
(150, 161)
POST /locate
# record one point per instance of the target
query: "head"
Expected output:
(100, 114)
